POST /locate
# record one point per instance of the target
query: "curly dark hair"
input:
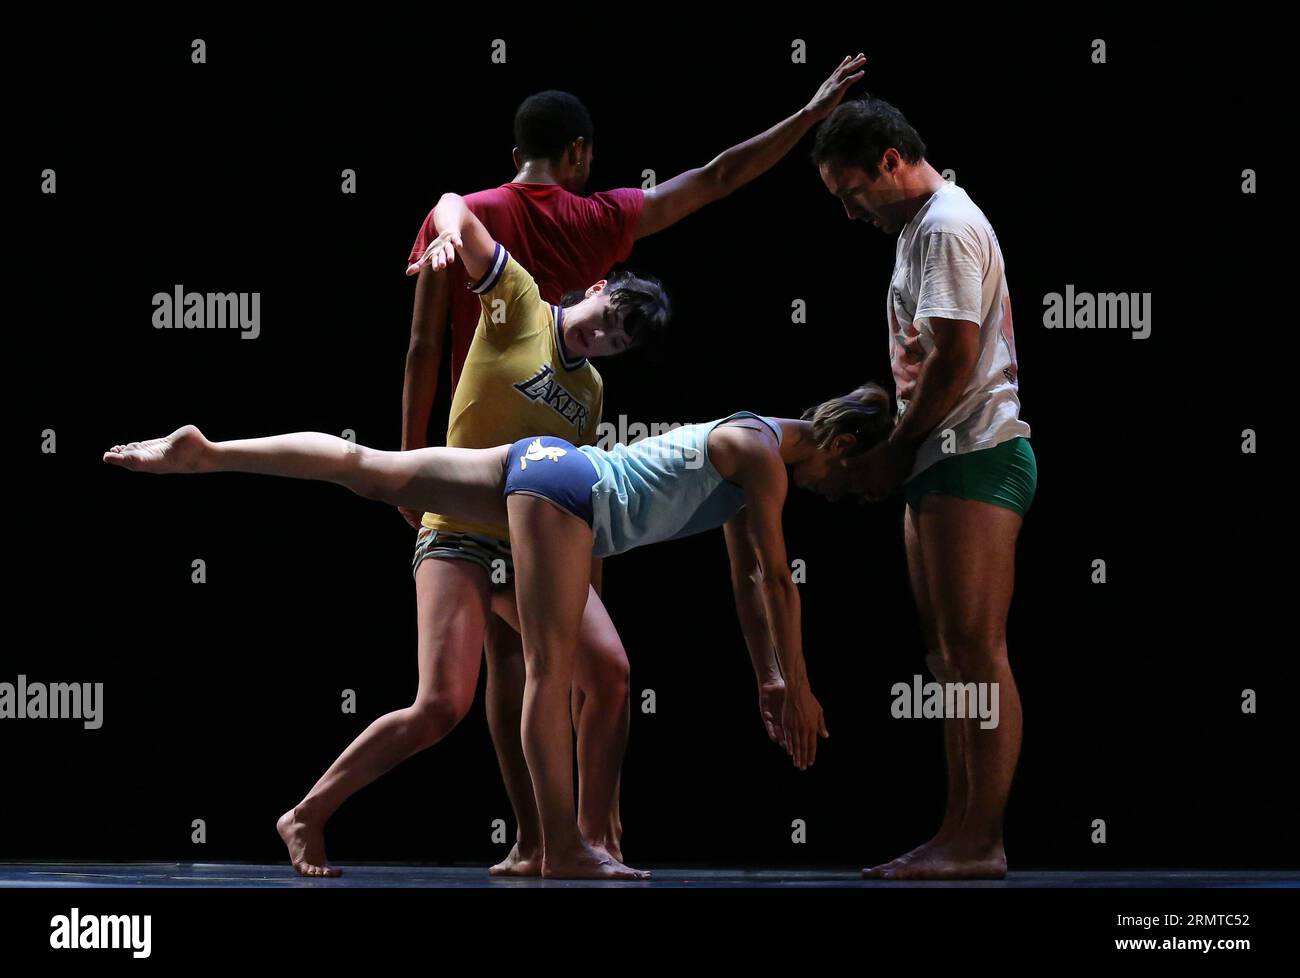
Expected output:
(546, 123)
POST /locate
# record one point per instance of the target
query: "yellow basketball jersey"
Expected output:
(517, 381)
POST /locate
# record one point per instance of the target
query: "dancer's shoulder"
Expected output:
(744, 451)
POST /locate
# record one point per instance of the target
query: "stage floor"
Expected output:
(247, 876)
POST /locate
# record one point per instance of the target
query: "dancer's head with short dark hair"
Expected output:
(859, 132)
(867, 154)
(555, 127)
(615, 314)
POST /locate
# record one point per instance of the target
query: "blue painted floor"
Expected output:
(247, 876)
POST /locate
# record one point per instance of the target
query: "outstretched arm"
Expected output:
(746, 584)
(687, 192)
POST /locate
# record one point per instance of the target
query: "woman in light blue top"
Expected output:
(563, 505)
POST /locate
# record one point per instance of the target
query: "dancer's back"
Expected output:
(661, 488)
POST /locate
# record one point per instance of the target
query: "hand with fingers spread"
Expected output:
(832, 90)
(440, 253)
(803, 723)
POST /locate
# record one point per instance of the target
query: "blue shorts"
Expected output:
(553, 469)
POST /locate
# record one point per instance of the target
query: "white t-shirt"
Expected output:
(948, 265)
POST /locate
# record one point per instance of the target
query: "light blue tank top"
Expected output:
(661, 488)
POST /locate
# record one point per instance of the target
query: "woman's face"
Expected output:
(822, 472)
(594, 326)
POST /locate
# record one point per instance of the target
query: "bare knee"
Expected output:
(549, 661)
(939, 668)
(972, 654)
(605, 674)
(366, 474)
(433, 717)
(502, 646)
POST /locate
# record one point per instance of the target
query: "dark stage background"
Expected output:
(222, 700)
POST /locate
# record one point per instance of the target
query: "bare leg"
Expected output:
(505, 701)
(575, 706)
(602, 720)
(465, 483)
(968, 553)
(954, 755)
(453, 599)
(612, 832)
(552, 554)
(601, 667)
(458, 481)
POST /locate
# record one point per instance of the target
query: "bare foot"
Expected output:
(181, 451)
(607, 847)
(586, 863)
(608, 841)
(518, 863)
(877, 872)
(615, 840)
(949, 862)
(306, 844)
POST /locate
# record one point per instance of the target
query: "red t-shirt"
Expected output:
(564, 241)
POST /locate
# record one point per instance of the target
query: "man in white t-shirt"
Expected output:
(959, 452)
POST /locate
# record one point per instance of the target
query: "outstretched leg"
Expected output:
(464, 483)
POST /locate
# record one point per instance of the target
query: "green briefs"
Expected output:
(1005, 475)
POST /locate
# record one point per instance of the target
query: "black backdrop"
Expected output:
(222, 699)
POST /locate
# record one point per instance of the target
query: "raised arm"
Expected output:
(687, 192)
